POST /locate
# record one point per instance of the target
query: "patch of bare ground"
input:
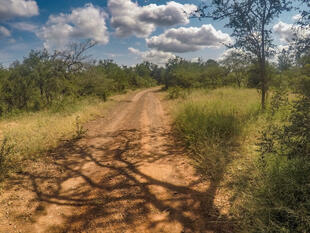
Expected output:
(126, 175)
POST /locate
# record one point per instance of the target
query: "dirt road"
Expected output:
(125, 175)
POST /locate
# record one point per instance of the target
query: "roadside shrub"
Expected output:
(79, 130)
(277, 198)
(6, 148)
(279, 101)
(177, 92)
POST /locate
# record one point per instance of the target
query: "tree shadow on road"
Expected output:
(105, 186)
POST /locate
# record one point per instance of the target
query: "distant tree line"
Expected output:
(45, 79)
(239, 71)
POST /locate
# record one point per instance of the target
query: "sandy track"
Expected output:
(125, 175)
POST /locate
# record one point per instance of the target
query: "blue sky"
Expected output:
(127, 31)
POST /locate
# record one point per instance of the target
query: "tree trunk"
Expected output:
(238, 78)
(263, 65)
(263, 94)
(263, 82)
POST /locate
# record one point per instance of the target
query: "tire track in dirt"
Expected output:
(125, 175)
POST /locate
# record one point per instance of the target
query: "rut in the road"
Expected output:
(126, 175)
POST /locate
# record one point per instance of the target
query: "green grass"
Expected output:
(275, 198)
(272, 192)
(221, 129)
(212, 123)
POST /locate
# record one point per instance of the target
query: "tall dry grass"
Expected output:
(212, 122)
(222, 130)
(31, 134)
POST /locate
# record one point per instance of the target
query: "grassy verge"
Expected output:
(212, 124)
(272, 190)
(223, 132)
(29, 135)
(220, 129)
(273, 197)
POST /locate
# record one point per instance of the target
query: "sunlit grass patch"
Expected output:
(32, 134)
(212, 122)
(222, 130)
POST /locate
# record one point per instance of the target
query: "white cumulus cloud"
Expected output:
(236, 53)
(287, 32)
(284, 31)
(157, 57)
(181, 40)
(24, 26)
(128, 18)
(17, 8)
(4, 32)
(296, 17)
(87, 22)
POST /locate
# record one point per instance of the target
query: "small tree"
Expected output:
(250, 21)
(285, 60)
(74, 59)
(305, 14)
(301, 42)
(236, 64)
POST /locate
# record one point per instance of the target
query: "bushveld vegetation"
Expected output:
(244, 120)
(258, 155)
(43, 97)
(261, 157)
(48, 96)
(253, 144)
(49, 80)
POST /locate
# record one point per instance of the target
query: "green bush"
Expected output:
(177, 92)
(6, 149)
(277, 198)
(44, 80)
